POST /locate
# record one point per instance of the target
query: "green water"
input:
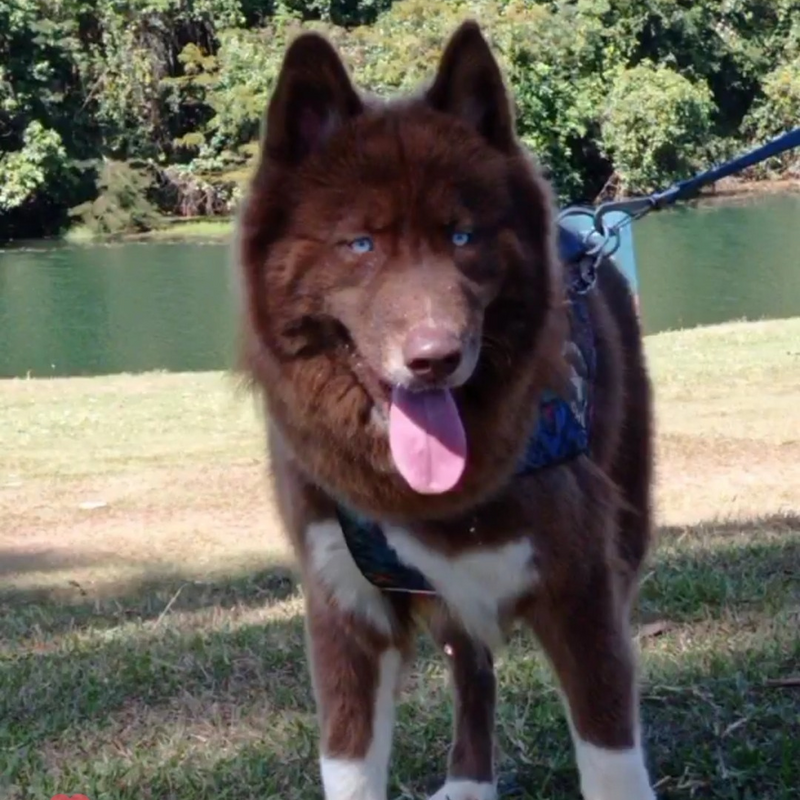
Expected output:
(70, 310)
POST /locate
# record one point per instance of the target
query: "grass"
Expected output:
(175, 229)
(189, 229)
(151, 643)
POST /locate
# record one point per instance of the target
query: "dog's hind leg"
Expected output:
(586, 637)
(470, 774)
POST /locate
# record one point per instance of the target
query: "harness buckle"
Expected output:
(598, 241)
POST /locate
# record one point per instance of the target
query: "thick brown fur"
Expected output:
(319, 322)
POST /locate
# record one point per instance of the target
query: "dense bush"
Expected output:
(121, 204)
(643, 91)
(656, 126)
(777, 109)
(38, 164)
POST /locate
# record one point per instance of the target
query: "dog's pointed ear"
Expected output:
(313, 96)
(469, 85)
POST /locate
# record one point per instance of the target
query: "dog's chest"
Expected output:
(480, 583)
(476, 584)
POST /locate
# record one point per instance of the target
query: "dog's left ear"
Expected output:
(469, 85)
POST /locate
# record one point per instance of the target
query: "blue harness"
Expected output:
(561, 435)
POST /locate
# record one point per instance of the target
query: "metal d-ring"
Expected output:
(609, 243)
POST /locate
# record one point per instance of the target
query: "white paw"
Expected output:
(466, 790)
(612, 774)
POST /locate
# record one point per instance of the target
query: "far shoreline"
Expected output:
(218, 230)
(728, 191)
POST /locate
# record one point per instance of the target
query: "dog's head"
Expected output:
(402, 294)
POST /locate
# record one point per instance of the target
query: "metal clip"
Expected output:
(635, 208)
(609, 240)
(599, 241)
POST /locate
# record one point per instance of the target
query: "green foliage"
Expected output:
(554, 65)
(39, 163)
(121, 205)
(641, 90)
(781, 108)
(245, 73)
(776, 112)
(346, 13)
(656, 126)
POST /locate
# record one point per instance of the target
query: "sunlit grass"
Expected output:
(193, 228)
(180, 229)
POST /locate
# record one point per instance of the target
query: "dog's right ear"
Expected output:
(312, 97)
(469, 85)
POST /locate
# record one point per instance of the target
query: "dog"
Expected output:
(405, 313)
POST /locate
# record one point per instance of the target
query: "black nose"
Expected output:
(432, 353)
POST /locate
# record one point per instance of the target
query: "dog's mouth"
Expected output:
(427, 440)
(422, 422)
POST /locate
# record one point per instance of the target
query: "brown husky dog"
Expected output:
(405, 309)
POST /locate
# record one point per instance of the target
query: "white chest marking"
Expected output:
(476, 584)
(366, 779)
(333, 564)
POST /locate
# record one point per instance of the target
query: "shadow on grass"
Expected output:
(15, 560)
(40, 610)
(146, 706)
(771, 523)
(705, 571)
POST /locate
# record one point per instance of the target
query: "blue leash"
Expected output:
(602, 240)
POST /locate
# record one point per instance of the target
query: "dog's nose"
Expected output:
(432, 353)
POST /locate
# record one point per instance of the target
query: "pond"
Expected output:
(72, 310)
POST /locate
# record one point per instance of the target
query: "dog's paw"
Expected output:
(466, 790)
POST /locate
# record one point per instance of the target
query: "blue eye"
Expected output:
(461, 238)
(363, 244)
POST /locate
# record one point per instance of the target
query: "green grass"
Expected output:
(177, 229)
(151, 645)
(199, 228)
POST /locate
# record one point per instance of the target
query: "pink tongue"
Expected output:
(427, 439)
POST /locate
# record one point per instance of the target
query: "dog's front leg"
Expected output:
(470, 773)
(586, 636)
(355, 673)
